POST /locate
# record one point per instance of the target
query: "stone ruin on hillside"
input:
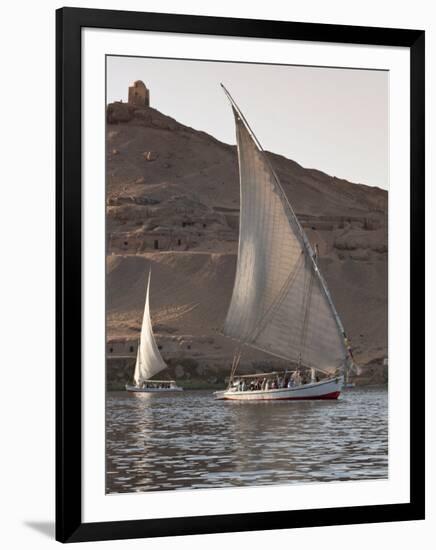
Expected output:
(139, 94)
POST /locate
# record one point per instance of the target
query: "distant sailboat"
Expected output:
(149, 360)
(280, 302)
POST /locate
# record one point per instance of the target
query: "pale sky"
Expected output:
(335, 120)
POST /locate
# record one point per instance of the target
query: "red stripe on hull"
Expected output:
(332, 395)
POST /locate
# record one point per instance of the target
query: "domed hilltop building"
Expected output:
(139, 94)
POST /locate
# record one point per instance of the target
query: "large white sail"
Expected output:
(148, 360)
(280, 302)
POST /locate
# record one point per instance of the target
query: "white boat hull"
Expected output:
(135, 389)
(326, 389)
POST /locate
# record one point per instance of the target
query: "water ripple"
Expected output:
(163, 442)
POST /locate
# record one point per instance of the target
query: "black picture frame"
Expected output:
(69, 22)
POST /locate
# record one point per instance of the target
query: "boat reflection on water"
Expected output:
(187, 440)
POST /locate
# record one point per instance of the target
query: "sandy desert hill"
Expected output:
(173, 204)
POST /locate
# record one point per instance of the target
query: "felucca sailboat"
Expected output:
(149, 361)
(280, 302)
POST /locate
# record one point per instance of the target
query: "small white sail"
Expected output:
(280, 303)
(148, 360)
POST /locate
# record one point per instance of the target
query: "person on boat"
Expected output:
(296, 378)
(263, 385)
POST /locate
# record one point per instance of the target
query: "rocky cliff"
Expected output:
(173, 204)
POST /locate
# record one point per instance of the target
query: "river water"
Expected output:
(189, 440)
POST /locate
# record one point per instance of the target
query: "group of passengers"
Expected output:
(290, 380)
(160, 386)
